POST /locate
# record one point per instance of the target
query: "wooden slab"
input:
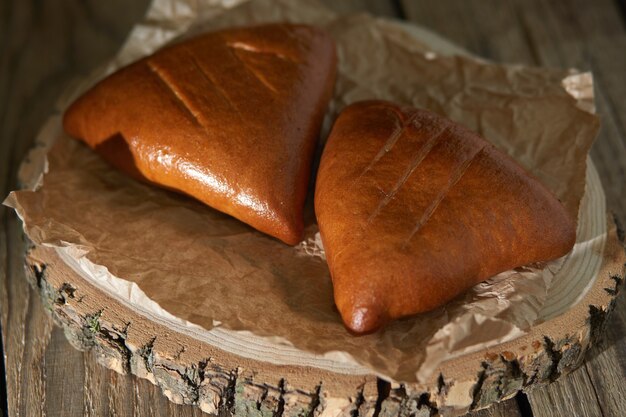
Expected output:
(190, 371)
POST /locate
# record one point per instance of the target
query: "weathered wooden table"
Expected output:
(44, 45)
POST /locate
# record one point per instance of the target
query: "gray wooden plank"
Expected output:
(25, 330)
(488, 28)
(610, 354)
(97, 381)
(121, 394)
(574, 397)
(32, 384)
(63, 363)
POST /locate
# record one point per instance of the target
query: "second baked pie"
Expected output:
(414, 209)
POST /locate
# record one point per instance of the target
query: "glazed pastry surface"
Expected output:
(414, 209)
(230, 118)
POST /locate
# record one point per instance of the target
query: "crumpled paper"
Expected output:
(206, 273)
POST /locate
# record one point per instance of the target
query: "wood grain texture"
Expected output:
(43, 45)
(572, 33)
(606, 365)
(576, 397)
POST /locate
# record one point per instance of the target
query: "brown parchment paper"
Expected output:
(212, 271)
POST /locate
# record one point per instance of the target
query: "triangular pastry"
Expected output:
(230, 118)
(414, 209)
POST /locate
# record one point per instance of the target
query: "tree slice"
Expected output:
(190, 371)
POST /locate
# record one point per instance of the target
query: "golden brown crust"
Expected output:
(230, 118)
(414, 209)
